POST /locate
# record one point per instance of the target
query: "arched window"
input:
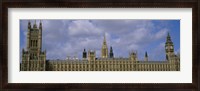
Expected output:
(35, 43)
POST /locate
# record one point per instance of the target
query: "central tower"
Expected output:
(104, 50)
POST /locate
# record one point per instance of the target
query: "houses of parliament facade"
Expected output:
(34, 59)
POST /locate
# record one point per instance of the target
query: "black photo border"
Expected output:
(194, 4)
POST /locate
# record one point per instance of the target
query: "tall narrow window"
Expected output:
(31, 43)
(36, 43)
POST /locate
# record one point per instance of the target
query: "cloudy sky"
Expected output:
(62, 38)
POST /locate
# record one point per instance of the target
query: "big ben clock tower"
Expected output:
(169, 47)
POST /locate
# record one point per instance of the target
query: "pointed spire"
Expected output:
(146, 55)
(84, 54)
(40, 25)
(168, 38)
(35, 25)
(168, 34)
(29, 24)
(104, 50)
(111, 50)
(104, 39)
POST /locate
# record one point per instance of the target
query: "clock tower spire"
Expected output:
(104, 50)
(169, 47)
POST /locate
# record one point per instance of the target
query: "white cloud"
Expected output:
(83, 27)
(161, 33)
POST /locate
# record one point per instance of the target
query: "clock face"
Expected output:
(169, 47)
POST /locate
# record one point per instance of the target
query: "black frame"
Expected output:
(194, 4)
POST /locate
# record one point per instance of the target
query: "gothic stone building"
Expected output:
(34, 59)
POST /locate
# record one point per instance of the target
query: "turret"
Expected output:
(91, 55)
(111, 52)
(146, 57)
(84, 54)
(133, 56)
(29, 24)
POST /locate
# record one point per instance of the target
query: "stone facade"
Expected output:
(34, 59)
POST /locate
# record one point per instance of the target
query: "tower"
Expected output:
(35, 38)
(33, 59)
(169, 48)
(146, 57)
(84, 54)
(104, 50)
(91, 55)
(133, 56)
(111, 52)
